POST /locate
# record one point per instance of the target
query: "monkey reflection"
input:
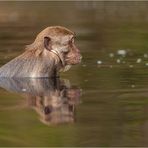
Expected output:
(53, 99)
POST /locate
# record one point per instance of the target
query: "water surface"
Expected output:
(101, 102)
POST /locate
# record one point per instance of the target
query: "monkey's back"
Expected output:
(22, 67)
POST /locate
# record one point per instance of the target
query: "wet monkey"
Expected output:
(52, 51)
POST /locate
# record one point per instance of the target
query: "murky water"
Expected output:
(101, 102)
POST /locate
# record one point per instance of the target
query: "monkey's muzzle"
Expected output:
(74, 60)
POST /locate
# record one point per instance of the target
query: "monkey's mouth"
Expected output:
(73, 61)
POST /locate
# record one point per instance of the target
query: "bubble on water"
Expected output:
(99, 62)
(131, 66)
(146, 64)
(83, 65)
(121, 52)
(145, 55)
(111, 66)
(139, 60)
(118, 61)
(111, 55)
(133, 86)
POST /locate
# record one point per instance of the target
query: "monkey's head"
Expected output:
(60, 41)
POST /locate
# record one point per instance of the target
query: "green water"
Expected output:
(107, 103)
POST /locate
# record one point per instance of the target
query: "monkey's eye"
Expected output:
(65, 53)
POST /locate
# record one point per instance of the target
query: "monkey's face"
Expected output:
(61, 41)
(68, 52)
(72, 55)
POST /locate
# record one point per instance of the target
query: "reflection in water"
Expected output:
(53, 99)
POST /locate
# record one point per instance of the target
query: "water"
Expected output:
(101, 102)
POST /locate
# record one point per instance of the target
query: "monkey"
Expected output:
(52, 51)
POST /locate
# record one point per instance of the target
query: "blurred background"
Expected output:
(112, 78)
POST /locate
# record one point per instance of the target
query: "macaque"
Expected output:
(52, 51)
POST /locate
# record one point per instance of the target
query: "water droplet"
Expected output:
(131, 66)
(99, 62)
(145, 55)
(111, 55)
(139, 60)
(118, 61)
(84, 65)
(121, 52)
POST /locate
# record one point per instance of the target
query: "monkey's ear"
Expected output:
(47, 44)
